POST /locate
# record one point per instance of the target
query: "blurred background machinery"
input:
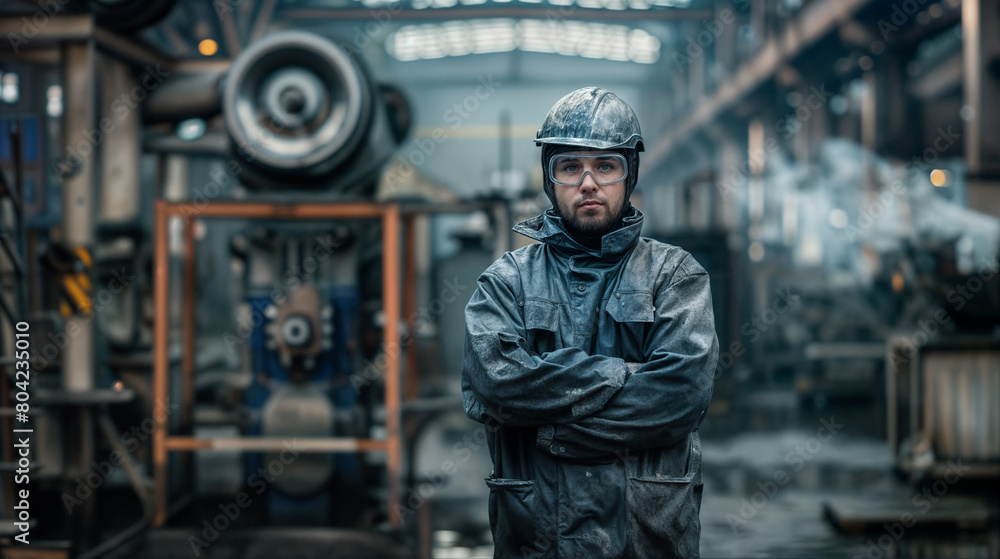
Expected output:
(168, 173)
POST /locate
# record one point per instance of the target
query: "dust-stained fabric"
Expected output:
(592, 370)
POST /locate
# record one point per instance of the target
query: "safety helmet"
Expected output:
(591, 117)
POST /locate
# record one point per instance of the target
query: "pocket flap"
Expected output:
(633, 306)
(665, 479)
(541, 315)
(503, 483)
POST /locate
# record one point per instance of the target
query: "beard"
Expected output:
(588, 226)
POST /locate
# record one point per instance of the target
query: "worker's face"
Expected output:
(589, 207)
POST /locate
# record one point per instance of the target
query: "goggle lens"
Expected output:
(605, 168)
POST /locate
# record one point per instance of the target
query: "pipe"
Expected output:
(184, 96)
(139, 483)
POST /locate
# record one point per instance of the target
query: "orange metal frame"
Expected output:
(163, 443)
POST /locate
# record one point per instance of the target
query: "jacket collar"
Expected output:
(549, 229)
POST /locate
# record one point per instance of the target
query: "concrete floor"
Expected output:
(743, 515)
(273, 543)
(764, 496)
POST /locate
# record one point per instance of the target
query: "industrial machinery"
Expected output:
(284, 323)
(305, 124)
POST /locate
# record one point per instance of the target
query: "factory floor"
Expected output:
(274, 543)
(767, 493)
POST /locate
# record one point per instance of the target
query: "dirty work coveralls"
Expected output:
(591, 370)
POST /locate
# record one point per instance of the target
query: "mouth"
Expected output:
(590, 204)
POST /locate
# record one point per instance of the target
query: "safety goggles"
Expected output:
(605, 168)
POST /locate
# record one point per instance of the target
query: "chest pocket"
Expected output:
(632, 312)
(631, 306)
(541, 320)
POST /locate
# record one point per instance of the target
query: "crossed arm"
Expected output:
(593, 405)
(503, 380)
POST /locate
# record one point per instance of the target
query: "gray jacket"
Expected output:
(592, 371)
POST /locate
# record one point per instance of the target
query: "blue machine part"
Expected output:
(42, 204)
(330, 376)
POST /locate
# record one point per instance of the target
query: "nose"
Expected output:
(588, 182)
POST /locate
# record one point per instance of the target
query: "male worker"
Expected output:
(590, 357)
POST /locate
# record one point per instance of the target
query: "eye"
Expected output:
(570, 167)
(606, 167)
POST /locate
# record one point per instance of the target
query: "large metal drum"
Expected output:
(297, 104)
(298, 412)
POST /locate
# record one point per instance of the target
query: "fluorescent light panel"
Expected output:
(606, 4)
(568, 38)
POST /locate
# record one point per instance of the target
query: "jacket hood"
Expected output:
(549, 228)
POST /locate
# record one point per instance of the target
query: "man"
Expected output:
(590, 357)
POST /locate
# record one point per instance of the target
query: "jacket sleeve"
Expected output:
(504, 380)
(666, 397)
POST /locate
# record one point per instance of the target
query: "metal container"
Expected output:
(942, 395)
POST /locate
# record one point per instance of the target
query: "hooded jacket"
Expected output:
(591, 370)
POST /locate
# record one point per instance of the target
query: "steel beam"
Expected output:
(981, 54)
(74, 28)
(817, 20)
(80, 91)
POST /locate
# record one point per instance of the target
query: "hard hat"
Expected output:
(591, 117)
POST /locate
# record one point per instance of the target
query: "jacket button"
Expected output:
(562, 450)
(581, 288)
(618, 295)
(520, 303)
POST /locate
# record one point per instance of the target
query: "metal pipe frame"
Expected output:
(163, 443)
(410, 304)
